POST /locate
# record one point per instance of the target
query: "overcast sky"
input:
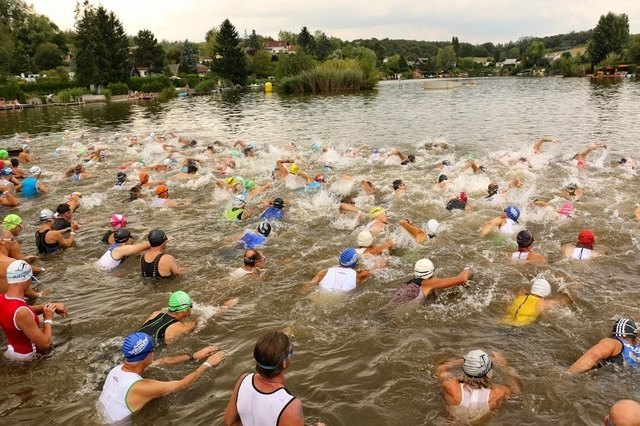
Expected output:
(473, 21)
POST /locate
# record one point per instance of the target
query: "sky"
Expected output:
(472, 21)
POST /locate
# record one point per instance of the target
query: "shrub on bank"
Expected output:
(118, 88)
(167, 93)
(71, 95)
(334, 75)
(206, 86)
(10, 91)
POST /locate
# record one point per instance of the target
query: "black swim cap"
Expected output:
(278, 203)
(625, 327)
(121, 235)
(397, 183)
(524, 238)
(442, 177)
(157, 237)
(264, 228)
(493, 188)
(121, 175)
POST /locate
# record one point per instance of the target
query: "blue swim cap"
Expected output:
(137, 346)
(513, 213)
(348, 257)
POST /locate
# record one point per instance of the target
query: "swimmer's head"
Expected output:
(463, 197)
(442, 177)
(423, 269)
(45, 214)
(567, 209)
(4, 154)
(348, 258)
(540, 288)
(294, 169)
(622, 161)
(319, 178)
(586, 237)
(162, 190)
(432, 228)
(121, 177)
(121, 235)
(347, 199)
(365, 239)
(446, 163)
(239, 201)
(264, 228)
(144, 177)
(118, 221)
(278, 203)
(524, 239)
(11, 221)
(137, 346)
(35, 171)
(493, 188)
(397, 184)
(512, 213)
(477, 364)
(249, 184)
(179, 301)
(157, 237)
(625, 327)
(18, 272)
(572, 187)
(25, 147)
(376, 211)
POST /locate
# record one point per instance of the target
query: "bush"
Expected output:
(331, 76)
(10, 91)
(206, 86)
(118, 88)
(153, 84)
(167, 93)
(71, 95)
(292, 84)
(107, 94)
(45, 86)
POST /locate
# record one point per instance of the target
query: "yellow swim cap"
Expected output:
(11, 221)
(294, 169)
(376, 211)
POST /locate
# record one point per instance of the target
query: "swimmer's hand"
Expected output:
(231, 302)
(205, 352)
(74, 226)
(60, 309)
(469, 273)
(48, 310)
(498, 359)
(216, 359)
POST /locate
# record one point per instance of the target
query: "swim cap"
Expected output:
(121, 235)
(161, 189)
(46, 214)
(423, 269)
(137, 346)
(231, 180)
(278, 203)
(541, 288)
(35, 170)
(294, 169)
(476, 364)
(572, 186)
(157, 237)
(3, 154)
(524, 238)
(18, 271)
(446, 162)
(624, 327)
(319, 178)
(493, 188)
(567, 209)
(348, 257)
(462, 197)
(315, 147)
(442, 177)
(249, 184)
(513, 213)
(118, 220)
(121, 176)
(375, 212)
(365, 239)
(6, 171)
(239, 201)
(397, 183)
(167, 161)
(25, 147)
(179, 301)
(264, 228)
(586, 237)
(622, 161)
(432, 227)
(11, 221)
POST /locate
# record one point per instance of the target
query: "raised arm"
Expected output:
(490, 226)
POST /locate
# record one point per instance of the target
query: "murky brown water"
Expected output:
(356, 362)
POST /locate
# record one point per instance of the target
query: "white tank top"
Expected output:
(361, 251)
(112, 404)
(520, 256)
(240, 272)
(509, 227)
(474, 398)
(581, 253)
(107, 262)
(158, 202)
(339, 280)
(257, 408)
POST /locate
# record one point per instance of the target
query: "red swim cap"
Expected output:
(462, 197)
(586, 237)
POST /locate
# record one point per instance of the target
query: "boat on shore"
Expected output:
(610, 73)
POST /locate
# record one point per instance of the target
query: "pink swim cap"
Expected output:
(118, 221)
(567, 209)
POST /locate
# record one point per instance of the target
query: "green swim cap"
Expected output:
(11, 221)
(249, 184)
(3, 154)
(471, 156)
(179, 301)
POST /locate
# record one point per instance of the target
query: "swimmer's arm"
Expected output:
(562, 300)
(146, 389)
(442, 372)
(292, 415)
(281, 166)
(128, 250)
(378, 249)
(368, 189)
(178, 329)
(175, 268)
(42, 187)
(567, 249)
(42, 338)
(316, 280)
(602, 350)
(514, 385)
(489, 226)
(362, 276)
(68, 242)
(345, 207)
(231, 416)
(226, 305)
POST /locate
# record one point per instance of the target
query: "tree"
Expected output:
(289, 65)
(456, 46)
(609, 36)
(323, 47)
(446, 58)
(633, 50)
(288, 36)
(229, 61)
(188, 59)
(102, 55)
(253, 43)
(261, 64)
(210, 42)
(534, 55)
(47, 56)
(148, 53)
(7, 50)
(306, 41)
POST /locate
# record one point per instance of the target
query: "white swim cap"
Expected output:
(423, 269)
(432, 227)
(167, 161)
(239, 201)
(476, 363)
(365, 239)
(18, 271)
(35, 170)
(46, 214)
(541, 288)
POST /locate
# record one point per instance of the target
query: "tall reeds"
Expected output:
(331, 76)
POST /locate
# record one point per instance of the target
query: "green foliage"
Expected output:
(293, 84)
(290, 65)
(323, 47)
(206, 86)
(446, 58)
(288, 36)
(632, 54)
(7, 50)
(71, 95)
(102, 53)
(230, 62)
(45, 86)
(118, 88)
(253, 43)
(534, 55)
(149, 84)
(47, 56)
(107, 94)
(367, 60)
(167, 93)
(148, 53)
(456, 46)
(330, 76)
(397, 64)
(609, 36)
(261, 64)
(10, 90)
(306, 41)
(188, 58)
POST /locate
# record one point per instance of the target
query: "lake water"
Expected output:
(356, 361)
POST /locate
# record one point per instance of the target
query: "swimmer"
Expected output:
(471, 164)
(493, 194)
(505, 224)
(623, 163)
(120, 250)
(162, 198)
(474, 394)
(253, 240)
(537, 147)
(622, 349)
(458, 203)
(583, 250)
(117, 221)
(7, 177)
(579, 160)
(625, 412)
(32, 186)
(344, 277)
(379, 221)
(526, 308)
(121, 179)
(48, 240)
(134, 193)
(253, 190)
(281, 172)
(125, 391)
(238, 210)
(404, 159)
(144, 182)
(566, 211)
(17, 171)
(187, 172)
(63, 218)
(155, 263)
(369, 191)
(572, 191)
(7, 198)
(26, 341)
(443, 181)
(9, 245)
(275, 209)
(417, 289)
(399, 188)
(525, 254)
(77, 173)
(365, 245)
(254, 262)
(314, 184)
(419, 234)
(25, 155)
(347, 205)
(248, 149)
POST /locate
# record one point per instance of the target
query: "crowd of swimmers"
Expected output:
(260, 397)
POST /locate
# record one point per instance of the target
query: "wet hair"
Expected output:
(411, 158)
(63, 208)
(442, 177)
(270, 352)
(397, 183)
(134, 192)
(622, 161)
(347, 199)
(251, 257)
(15, 162)
(493, 188)
(78, 168)
(475, 382)
(192, 169)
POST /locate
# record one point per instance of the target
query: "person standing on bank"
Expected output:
(262, 399)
